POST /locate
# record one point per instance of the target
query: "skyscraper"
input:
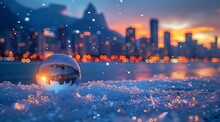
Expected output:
(75, 42)
(47, 41)
(12, 40)
(167, 45)
(188, 37)
(154, 31)
(2, 46)
(23, 44)
(166, 39)
(62, 38)
(190, 50)
(130, 40)
(33, 43)
(216, 40)
(215, 44)
(130, 34)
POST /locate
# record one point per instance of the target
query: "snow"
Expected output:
(190, 99)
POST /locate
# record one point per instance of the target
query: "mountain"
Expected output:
(8, 21)
(17, 8)
(91, 13)
(95, 22)
(50, 16)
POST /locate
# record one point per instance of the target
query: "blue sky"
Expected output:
(201, 17)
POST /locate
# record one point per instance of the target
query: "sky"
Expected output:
(201, 17)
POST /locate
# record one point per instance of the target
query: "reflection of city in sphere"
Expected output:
(58, 72)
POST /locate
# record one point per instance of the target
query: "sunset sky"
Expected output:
(201, 17)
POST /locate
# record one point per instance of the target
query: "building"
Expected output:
(181, 48)
(92, 44)
(23, 44)
(130, 40)
(12, 40)
(154, 31)
(167, 45)
(130, 35)
(188, 37)
(215, 52)
(216, 41)
(2, 46)
(62, 38)
(190, 50)
(75, 39)
(215, 44)
(202, 52)
(116, 48)
(47, 41)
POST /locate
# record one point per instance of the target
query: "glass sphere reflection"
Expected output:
(58, 72)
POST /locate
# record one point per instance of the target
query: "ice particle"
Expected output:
(27, 19)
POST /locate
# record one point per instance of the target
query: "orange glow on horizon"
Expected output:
(204, 34)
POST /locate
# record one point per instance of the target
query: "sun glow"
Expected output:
(44, 78)
(203, 34)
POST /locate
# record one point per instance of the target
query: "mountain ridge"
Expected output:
(8, 21)
(52, 16)
(41, 17)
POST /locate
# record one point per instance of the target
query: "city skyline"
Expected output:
(90, 35)
(199, 17)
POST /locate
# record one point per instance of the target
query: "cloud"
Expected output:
(175, 25)
(204, 35)
(203, 29)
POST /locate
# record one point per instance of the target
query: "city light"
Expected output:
(120, 60)
(88, 45)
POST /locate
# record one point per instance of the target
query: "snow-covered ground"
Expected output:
(191, 99)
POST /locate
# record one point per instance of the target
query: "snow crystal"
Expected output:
(26, 19)
(191, 99)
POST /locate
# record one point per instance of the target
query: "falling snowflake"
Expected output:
(27, 19)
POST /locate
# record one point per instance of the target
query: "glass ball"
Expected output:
(58, 72)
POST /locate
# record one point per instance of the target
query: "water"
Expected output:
(25, 73)
(163, 99)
